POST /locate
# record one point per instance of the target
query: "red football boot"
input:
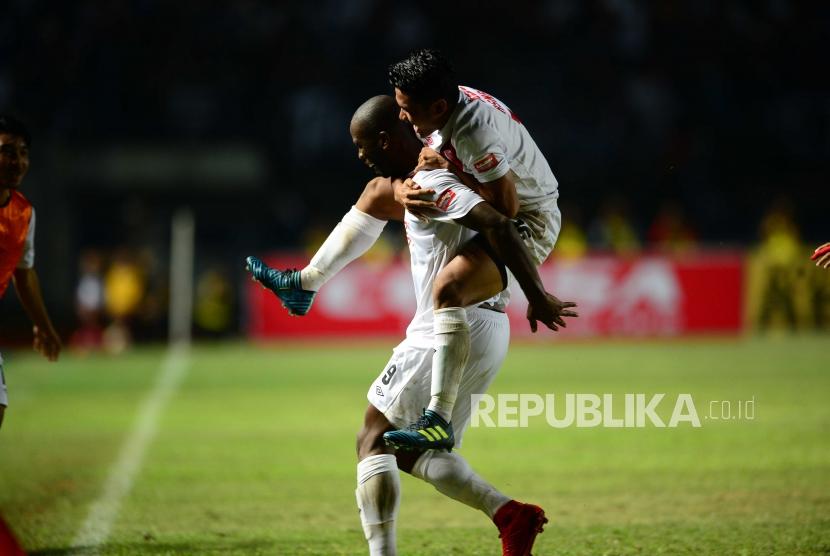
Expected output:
(518, 526)
(8, 544)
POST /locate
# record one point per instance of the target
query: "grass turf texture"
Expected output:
(255, 453)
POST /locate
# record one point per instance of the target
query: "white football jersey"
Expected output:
(487, 140)
(435, 241)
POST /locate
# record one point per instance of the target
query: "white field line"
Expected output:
(103, 511)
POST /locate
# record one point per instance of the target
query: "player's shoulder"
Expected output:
(435, 179)
(20, 198)
(476, 118)
(19, 204)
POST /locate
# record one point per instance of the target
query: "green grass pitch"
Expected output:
(255, 452)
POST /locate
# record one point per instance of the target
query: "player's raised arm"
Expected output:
(502, 235)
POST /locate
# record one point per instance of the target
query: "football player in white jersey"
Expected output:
(477, 134)
(485, 144)
(397, 397)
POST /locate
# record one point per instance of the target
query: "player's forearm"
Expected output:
(501, 194)
(465, 178)
(512, 251)
(28, 290)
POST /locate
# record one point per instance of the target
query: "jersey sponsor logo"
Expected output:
(487, 163)
(444, 200)
(389, 374)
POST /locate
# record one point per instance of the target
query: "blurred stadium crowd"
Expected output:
(669, 124)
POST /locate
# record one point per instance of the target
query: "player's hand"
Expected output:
(550, 313)
(47, 343)
(429, 159)
(413, 198)
(822, 256)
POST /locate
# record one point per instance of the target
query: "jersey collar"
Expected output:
(440, 138)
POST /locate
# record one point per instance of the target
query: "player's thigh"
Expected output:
(544, 226)
(397, 396)
(470, 278)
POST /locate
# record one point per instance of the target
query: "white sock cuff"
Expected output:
(374, 465)
(449, 320)
(363, 222)
(419, 468)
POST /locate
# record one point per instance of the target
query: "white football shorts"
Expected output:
(402, 391)
(4, 395)
(543, 224)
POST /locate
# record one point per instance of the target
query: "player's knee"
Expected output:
(369, 200)
(447, 292)
(370, 438)
(406, 459)
(370, 442)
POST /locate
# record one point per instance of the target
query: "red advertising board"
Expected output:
(639, 296)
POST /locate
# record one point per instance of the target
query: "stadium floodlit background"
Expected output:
(691, 141)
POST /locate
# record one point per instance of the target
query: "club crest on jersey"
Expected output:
(449, 154)
(444, 199)
(487, 163)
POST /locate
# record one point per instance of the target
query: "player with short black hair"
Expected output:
(426, 75)
(17, 237)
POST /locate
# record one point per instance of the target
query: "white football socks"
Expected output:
(452, 476)
(378, 498)
(452, 349)
(350, 239)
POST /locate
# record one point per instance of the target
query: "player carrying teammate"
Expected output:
(17, 242)
(396, 397)
(476, 134)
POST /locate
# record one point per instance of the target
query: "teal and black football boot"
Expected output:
(431, 432)
(284, 284)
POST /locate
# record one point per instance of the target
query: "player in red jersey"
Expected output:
(17, 235)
